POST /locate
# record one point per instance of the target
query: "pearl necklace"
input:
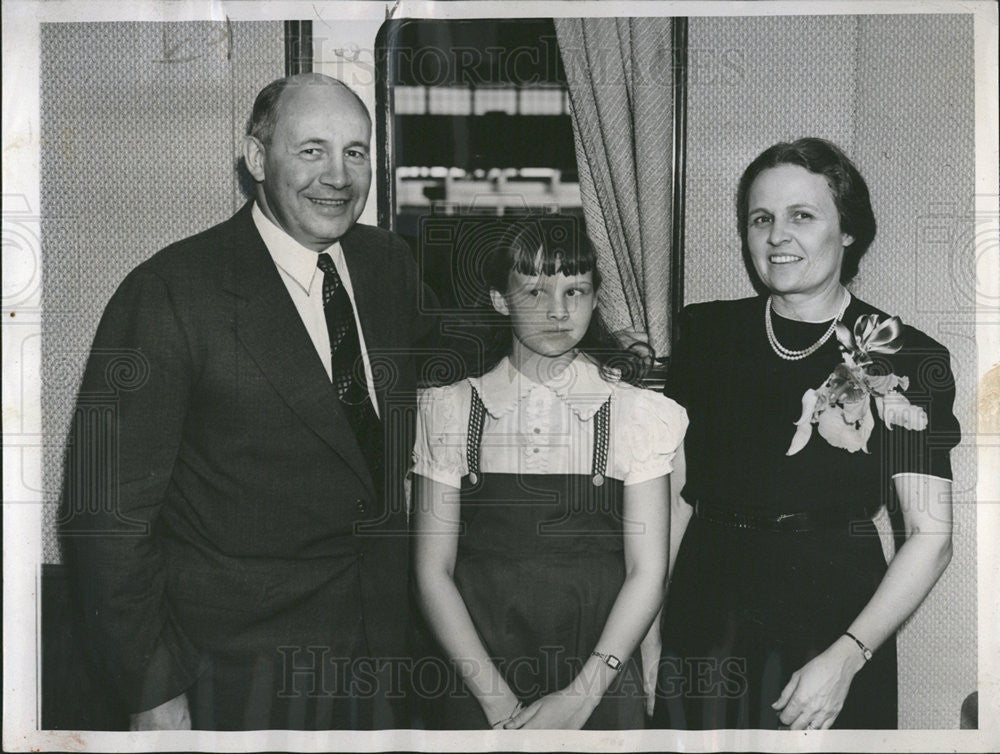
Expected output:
(787, 353)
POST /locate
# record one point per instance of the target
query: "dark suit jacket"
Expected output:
(231, 510)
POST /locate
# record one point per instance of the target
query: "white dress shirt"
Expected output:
(298, 268)
(534, 428)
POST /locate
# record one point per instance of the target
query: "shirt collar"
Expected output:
(580, 386)
(298, 262)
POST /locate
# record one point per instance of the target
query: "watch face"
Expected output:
(868, 655)
(614, 662)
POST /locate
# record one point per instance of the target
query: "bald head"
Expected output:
(265, 107)
(310, 158)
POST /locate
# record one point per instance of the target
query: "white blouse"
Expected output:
(534, 428)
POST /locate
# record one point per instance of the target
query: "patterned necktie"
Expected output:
(347, 371)
(345, 349)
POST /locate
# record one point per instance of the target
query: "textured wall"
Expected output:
(914, 142)
(754, 81)
(895, 92)
(140, 132)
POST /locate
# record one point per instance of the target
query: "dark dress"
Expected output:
(747, 607)
(540, 563)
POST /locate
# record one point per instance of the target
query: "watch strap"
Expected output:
(610, 660)
(865, 651)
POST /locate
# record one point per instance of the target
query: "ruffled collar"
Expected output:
(580, 386)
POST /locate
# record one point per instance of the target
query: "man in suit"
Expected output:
(248, 566)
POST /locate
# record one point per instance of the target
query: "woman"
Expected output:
(541, 517)
(781, 610)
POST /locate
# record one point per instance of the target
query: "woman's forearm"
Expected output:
(815, 693)
(926, 504)
(907, 582)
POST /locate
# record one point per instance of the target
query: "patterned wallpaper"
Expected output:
(914, 127)
(753, 82)
(895, 92)
(140, 132)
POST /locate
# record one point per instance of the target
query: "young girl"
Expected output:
(541, 513)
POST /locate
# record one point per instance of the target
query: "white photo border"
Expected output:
(22, 509)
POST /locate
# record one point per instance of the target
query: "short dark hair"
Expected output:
(850, 193)
(549, 245)
(265, 107)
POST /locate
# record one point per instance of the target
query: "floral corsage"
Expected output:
(841, 407)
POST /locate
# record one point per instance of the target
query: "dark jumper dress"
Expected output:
(747, 607)
(540, 563)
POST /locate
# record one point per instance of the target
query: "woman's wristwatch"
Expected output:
(610, 660)
(866, 653)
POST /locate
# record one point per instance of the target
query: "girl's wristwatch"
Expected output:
(610, 660)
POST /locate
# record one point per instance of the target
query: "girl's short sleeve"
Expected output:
(648, 432)
(442, 425)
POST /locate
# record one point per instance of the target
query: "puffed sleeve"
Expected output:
(647, 434)
(442, 426)
(927, 366)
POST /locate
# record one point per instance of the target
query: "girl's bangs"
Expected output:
(544, 249)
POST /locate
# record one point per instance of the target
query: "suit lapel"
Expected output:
(269, 326)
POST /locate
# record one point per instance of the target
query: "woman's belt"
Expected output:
(802, 521)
